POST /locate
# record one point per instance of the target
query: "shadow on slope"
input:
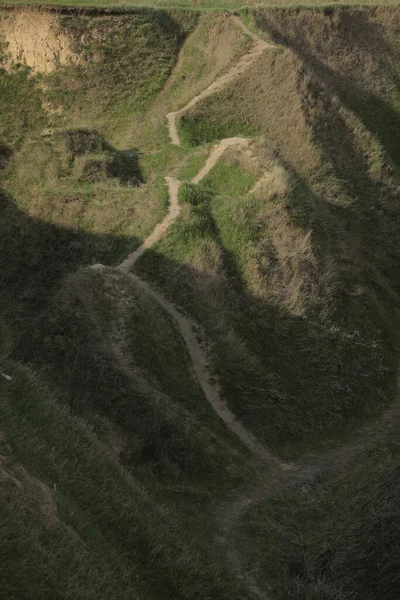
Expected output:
(288, 377)
(107, 350)
(102, 159)
(330, 278)
(354, 54)
(75, 524)
(338, 538)
(36, 255)
(294, 379)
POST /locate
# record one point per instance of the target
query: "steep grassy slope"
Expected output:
(69, 137)
(298, 286)
(118, 480)
(86, 505)
(114, 356)
(304, 272)
(63, 163)
(74, 523)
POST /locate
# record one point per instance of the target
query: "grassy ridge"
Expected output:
(302, 275)
(113, 353)
(123, 543)
(306, 316)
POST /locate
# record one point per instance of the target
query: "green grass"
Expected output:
(117, 470)
(148, 391)
(15, 123)
(227, 178)
(197, 130)
(136, 62)
(79, 186)
(194, 161)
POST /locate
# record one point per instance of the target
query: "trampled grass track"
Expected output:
(275, 474)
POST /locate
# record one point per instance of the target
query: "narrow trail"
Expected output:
(276, 472)
(204, 375)
(229, 517)
(216, 153)
(198, 353)
(160, 229)
(173, 185)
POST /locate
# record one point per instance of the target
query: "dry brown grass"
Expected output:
(310, 265)
(215, 44)
(355, 47)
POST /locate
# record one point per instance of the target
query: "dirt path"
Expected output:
(189, 330)
(228, 518)
(216, 153)
(243, 63)
(173, 185)
(275, 476)
(197, 351)
(204, 375)
(160, 229)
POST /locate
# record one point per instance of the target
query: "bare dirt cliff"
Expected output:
(34, 38)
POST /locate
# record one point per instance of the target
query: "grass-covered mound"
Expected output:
(303, 271)
(75, 523)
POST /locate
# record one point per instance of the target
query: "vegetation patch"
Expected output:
(197, 130)
(327, 539)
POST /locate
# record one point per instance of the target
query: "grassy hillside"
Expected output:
(107, 441)
(84, 147)
(303, 273)
(340, 537)
(118, 478)
(75, 523)
(72, 192)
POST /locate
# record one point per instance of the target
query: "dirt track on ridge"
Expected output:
(197, 351)
(190, 331)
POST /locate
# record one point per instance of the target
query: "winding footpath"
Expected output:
(258, 47)
(189, 330)
(277, 476)
(276, 471)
